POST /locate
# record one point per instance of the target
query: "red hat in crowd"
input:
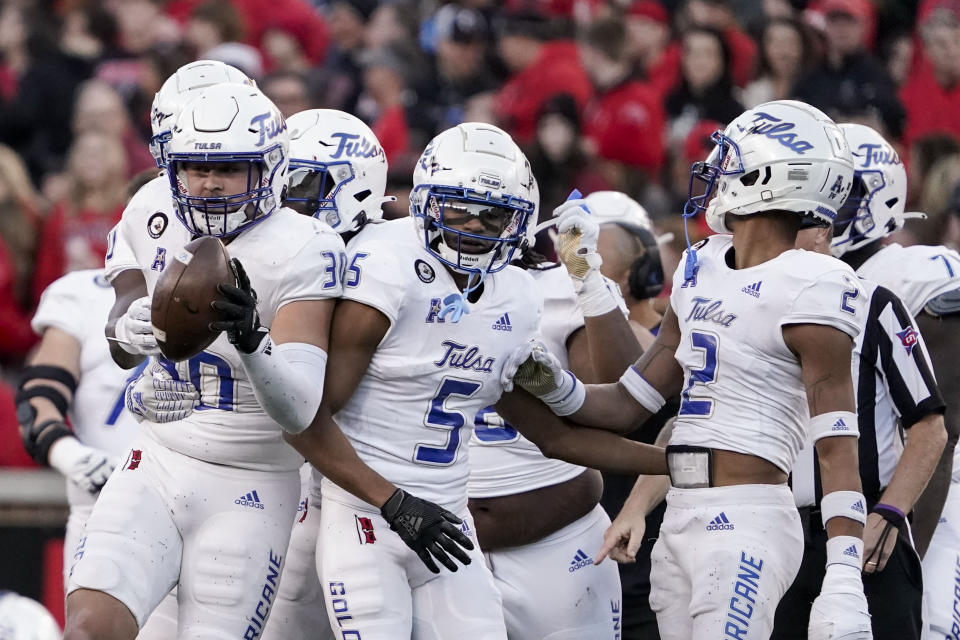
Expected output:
(649, 9)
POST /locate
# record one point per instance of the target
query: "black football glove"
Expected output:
(238, 313)
(429, 529)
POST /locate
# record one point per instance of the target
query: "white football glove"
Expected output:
(577, 250)
(134, 331)
(156, 397)
(85, 466)
(539, 372)
(840, 611)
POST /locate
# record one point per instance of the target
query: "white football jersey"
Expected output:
(148, 225)
(503, 462)
(917, 273)
(78, 304)
(411, 415)
(742, 388)
(288, 257)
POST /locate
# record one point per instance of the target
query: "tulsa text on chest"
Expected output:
(459, 356)
(710, 311)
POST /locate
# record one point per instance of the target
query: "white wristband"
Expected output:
(835, 423)
(846, 550)
(641, 390)
(65, 453)
(568, 397)
(595, 296)
(844, 504)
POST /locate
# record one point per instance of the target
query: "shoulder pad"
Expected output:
(944, 304)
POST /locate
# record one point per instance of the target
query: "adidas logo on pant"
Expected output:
(580, 560)
(249, 500)
(720, 523)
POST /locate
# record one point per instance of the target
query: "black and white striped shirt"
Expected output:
(895, 388)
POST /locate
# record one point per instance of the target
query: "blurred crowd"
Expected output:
(601, 94)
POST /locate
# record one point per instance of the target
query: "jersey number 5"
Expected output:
(441, 418)
(708, 343)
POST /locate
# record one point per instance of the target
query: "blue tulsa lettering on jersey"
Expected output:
(269, 590)
(743, 601)
(710, 311)
(459, 356)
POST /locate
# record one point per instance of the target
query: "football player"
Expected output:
(338, 174)
(432, 313)
(927, 280)
(539, 553)
(207, 492)
(757, 342)
(71, 376)
(128, 329)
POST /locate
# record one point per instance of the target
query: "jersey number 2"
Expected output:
(707, 374)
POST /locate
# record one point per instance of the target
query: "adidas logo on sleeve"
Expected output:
(720, 523)
(249, 500)
(580, 560)
(503, 324)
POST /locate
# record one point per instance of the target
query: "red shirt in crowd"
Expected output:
(930, 107)
(12, 453)
(664, 73)
(743, 56)
(296, 17)
(392, 132)
(16, 336)
(626, 124)
(556, 70)
(71, 242)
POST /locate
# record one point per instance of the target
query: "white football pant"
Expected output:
(220, 533)
(724, 558)
(299, 610)
(551, 589)
(941, 573)
(376, 588)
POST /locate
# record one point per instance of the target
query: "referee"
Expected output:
(896, 392)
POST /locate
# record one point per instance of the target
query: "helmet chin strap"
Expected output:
(455, 304)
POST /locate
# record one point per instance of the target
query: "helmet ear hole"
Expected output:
(891, 202)
(751, 178)
(360, 196)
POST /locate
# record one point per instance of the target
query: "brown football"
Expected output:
(180, 310)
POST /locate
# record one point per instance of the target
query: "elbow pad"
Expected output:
(287, 380)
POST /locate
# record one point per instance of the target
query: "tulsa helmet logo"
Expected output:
(776, 129)
(351, 145)
(268, 128)
(875, 154)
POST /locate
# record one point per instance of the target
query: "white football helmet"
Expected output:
(875, 206)
(473, 171)
(24, 619)
(229, 123)
(619, 208)
(780, 156)
(338, 171)
(179, 89)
